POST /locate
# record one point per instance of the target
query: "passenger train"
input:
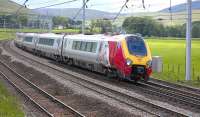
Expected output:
(123, 56)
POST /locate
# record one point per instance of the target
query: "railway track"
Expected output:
(124, 96)
(177, 86)
(177, 94)
(47, 103)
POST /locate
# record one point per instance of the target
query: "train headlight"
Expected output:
(149, 64)
(128, 62)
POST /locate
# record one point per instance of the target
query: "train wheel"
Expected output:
(119, 76)
(108, 73)
(70, 62)
(135, 80)
(145, 78)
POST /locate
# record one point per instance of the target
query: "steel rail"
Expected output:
(189, 94)
(75, 112)
(171, 94)
(26, 95)
(174, 85)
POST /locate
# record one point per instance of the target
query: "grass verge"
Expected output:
(9, 106)
(172, 52)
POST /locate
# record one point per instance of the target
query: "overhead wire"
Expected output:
(170, 10)
(77, 13)
(56, 4)
(143, 4)
(106, 4)
(42, 2)
(23, 5)
(125, 5)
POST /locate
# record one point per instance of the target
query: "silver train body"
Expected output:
(70, 49)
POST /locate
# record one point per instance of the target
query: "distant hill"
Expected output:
(182, 7)
(8, 6)
(70, 12)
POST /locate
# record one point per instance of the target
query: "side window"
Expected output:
(65, 43)
(51, 42)
(58, 41)
(41, 41)
(74, 45)
(28, 39)
(94, 47)
(45, 41)
(83, 46)
(88, 46)
(78, 45)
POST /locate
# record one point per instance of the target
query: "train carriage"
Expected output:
(131, 57)
(28, 42)
(48, 45)
(19, 39)
(83, 50)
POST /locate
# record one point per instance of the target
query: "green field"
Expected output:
(9, 106)
(10, 33)
(173, 56)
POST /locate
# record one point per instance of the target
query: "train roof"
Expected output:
(25, 34)
(50, 35)
(123, 36)
(96, 37)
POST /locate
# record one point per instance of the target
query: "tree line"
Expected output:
(143, 25)
(149, 27)
(12, 21)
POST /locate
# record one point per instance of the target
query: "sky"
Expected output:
(107, 5)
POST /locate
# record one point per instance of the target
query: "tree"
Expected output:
(149, 27)
(104, 25)
(58, 20)
(196, 29)
(92, 25)
(23, 20)
(145, 26)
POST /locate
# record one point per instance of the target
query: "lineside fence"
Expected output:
(176, 72)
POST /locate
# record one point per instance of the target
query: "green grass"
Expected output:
(173, 56)
(7, 35)
(9, 106)
(10, 33)
(66, 31)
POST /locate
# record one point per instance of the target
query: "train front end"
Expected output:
(138, 60)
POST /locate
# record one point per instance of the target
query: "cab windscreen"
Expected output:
(136, 46)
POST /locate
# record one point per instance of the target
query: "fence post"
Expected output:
(193, 71)
(168, 70)
(168, 67)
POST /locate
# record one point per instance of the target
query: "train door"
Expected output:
(103, 57)
(62, 45)
(35, 41)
